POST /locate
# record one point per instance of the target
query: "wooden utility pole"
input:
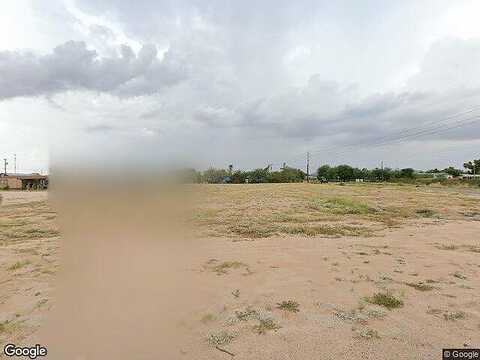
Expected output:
(308, 167)
(5, 163)
(383, 177)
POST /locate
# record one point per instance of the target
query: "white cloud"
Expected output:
(72, 66)
(253, 82)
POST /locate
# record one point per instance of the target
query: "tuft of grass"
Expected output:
(447, 247)
(386, 300)
(459, 275)
(18, 265)
(473, 248)
(224, 267)
(426, 213)
(8, 327)
(247, 314)
(289, 305)
(342, 206)
(368, 334)
(433, 311)
(265, 325)
(452, 316)
(420, 286)
(220, 338)
(253, 230)
(327, 230)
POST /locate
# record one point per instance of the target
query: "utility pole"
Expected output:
(5, 163)
(14, 163)
(383, 177)
(308, 167)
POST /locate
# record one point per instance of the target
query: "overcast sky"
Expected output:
(242, 82)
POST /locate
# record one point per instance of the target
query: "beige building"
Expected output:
(23, 181)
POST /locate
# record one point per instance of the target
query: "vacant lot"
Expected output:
(299, 271)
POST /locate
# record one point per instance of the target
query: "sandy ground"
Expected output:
(432, 267)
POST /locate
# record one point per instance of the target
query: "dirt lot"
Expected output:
(299, 271)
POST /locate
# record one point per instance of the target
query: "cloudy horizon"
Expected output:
(241, 83)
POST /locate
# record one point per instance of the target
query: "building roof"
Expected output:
(32, 176)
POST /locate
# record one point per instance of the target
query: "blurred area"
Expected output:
(124, 285)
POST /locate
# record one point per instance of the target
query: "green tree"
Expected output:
(238, 177)
(473, 167)
(345, 172)
(214, 176)
(452, 171)
(258, 176)
(322, 172)
(332, 174)
(407, 173)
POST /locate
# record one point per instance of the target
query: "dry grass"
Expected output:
(220, 338)
(18, 265)
(420, 286)
(27, 221)
(323, 210)
(223, 268)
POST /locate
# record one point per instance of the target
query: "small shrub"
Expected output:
(386, 300)
(221, 338)
(368, 334)
(265, 325)
(289, 305)
(247, 314)
(452, 316)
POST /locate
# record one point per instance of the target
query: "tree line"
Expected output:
(256, 176)
(324, 173)
(349, 173)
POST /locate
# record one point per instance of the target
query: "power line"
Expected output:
(412, 133)
(408, 133)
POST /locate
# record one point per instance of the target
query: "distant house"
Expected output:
(23, 181)
(471, 176)
(438, 175)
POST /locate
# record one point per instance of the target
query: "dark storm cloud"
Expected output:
(72, 66)
(379, 118)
